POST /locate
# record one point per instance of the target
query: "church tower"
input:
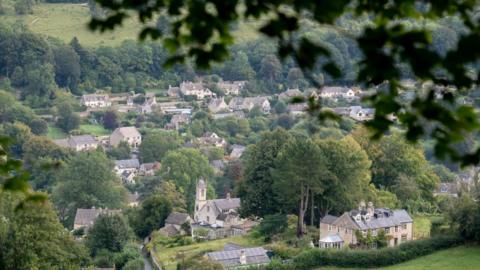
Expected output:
(200, 196)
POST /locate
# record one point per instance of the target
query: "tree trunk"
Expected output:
(312, 210)
(304, 194)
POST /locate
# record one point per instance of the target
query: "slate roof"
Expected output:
(218, 164)
(237, 151)
(334, 90)
(231, 258)
(128, 131)
(232, 246)
(74, 141)
(332, 239)
(86, 217)
(227, 204)
(95, 97)
(177, 218)
(329, 219)
(132, 197)
(394, 218)
(127, 163)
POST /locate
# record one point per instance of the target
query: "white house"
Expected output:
(336, 92)
(195, 89)
(96, 101)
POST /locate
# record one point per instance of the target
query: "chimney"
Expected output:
(361, 205)
(243, 257)
(228, 196)
(370, 209)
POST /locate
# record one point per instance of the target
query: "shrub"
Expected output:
(373, 258)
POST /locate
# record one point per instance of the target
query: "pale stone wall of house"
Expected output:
(207, 213)
(400, 234)
(347, 235)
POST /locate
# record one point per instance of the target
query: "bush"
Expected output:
(373, 258)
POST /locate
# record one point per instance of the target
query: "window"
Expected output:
(329, 228)
(396, 228)
(208, 219)
(208, 208)
(374, 232)
(404, 226)
(387, 230)
(404, 238)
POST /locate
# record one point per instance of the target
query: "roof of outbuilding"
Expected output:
(226, 204)
(177, 218)
(231, 258)
(127, 163)
(127, 131)
(86, 217)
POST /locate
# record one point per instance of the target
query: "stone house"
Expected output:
(237, 151)
(446, 189)
(96, 101)
(217, 105)
(195, 89)
(149, 169)
(217, 212)
(173, 91)
(338, 232)
(212, 139)
(337, 92)
(361, 114)
(85, 218)
(289, 94)
(231, 88)
(79, 143)
(149, 104)
(126, 134)
(247, 104)
(127, 169)
(173, 224)
(177, 121)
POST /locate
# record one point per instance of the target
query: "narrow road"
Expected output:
(146, 263)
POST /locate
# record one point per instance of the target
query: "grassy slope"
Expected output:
(460, 258)
(55, 133)
(168, 256)
(95, 130)
(65, 21)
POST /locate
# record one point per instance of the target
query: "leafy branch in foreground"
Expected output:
(201, 30)
(13, 178)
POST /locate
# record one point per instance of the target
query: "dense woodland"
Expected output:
(293, 166)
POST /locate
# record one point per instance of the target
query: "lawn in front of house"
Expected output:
(55, 133)
(95, 130)
(458, 258)
(170, 256)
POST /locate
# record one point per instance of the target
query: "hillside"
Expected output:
(450, 259)
(65, 21)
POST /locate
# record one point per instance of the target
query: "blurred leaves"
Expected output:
(13, 178)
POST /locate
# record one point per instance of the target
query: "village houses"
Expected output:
(195, 89)
(248, 103)
(231, 88)
(289, 94)
(338, 232)
(85, 218)
(96, 101)
(177, 121)
(127, 169)
(217, 105)
(149, 104)
(126, 134)
(337, 92)
(149, 169)
(175, 224)
(78, 143)
(212, 139)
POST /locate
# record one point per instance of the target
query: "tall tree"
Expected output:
(156, 144)
(270, 69)
(300, 172)
(33, 238)
(67, 67)
(109, 232)
(110, 120)
(258, 198)
(152, 214)
(87, 181)
(185, 167)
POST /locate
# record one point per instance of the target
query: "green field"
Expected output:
(55, 133)
(95, 130)
(65, 21)
(461, 258)
(169, 257)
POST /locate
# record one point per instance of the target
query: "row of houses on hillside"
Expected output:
(129, 135)
(200, 91)
(128, 169)
(239, 104)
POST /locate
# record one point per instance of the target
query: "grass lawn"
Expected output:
(55, 133)
(95, 130)
(169, 257)
(461, 258)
